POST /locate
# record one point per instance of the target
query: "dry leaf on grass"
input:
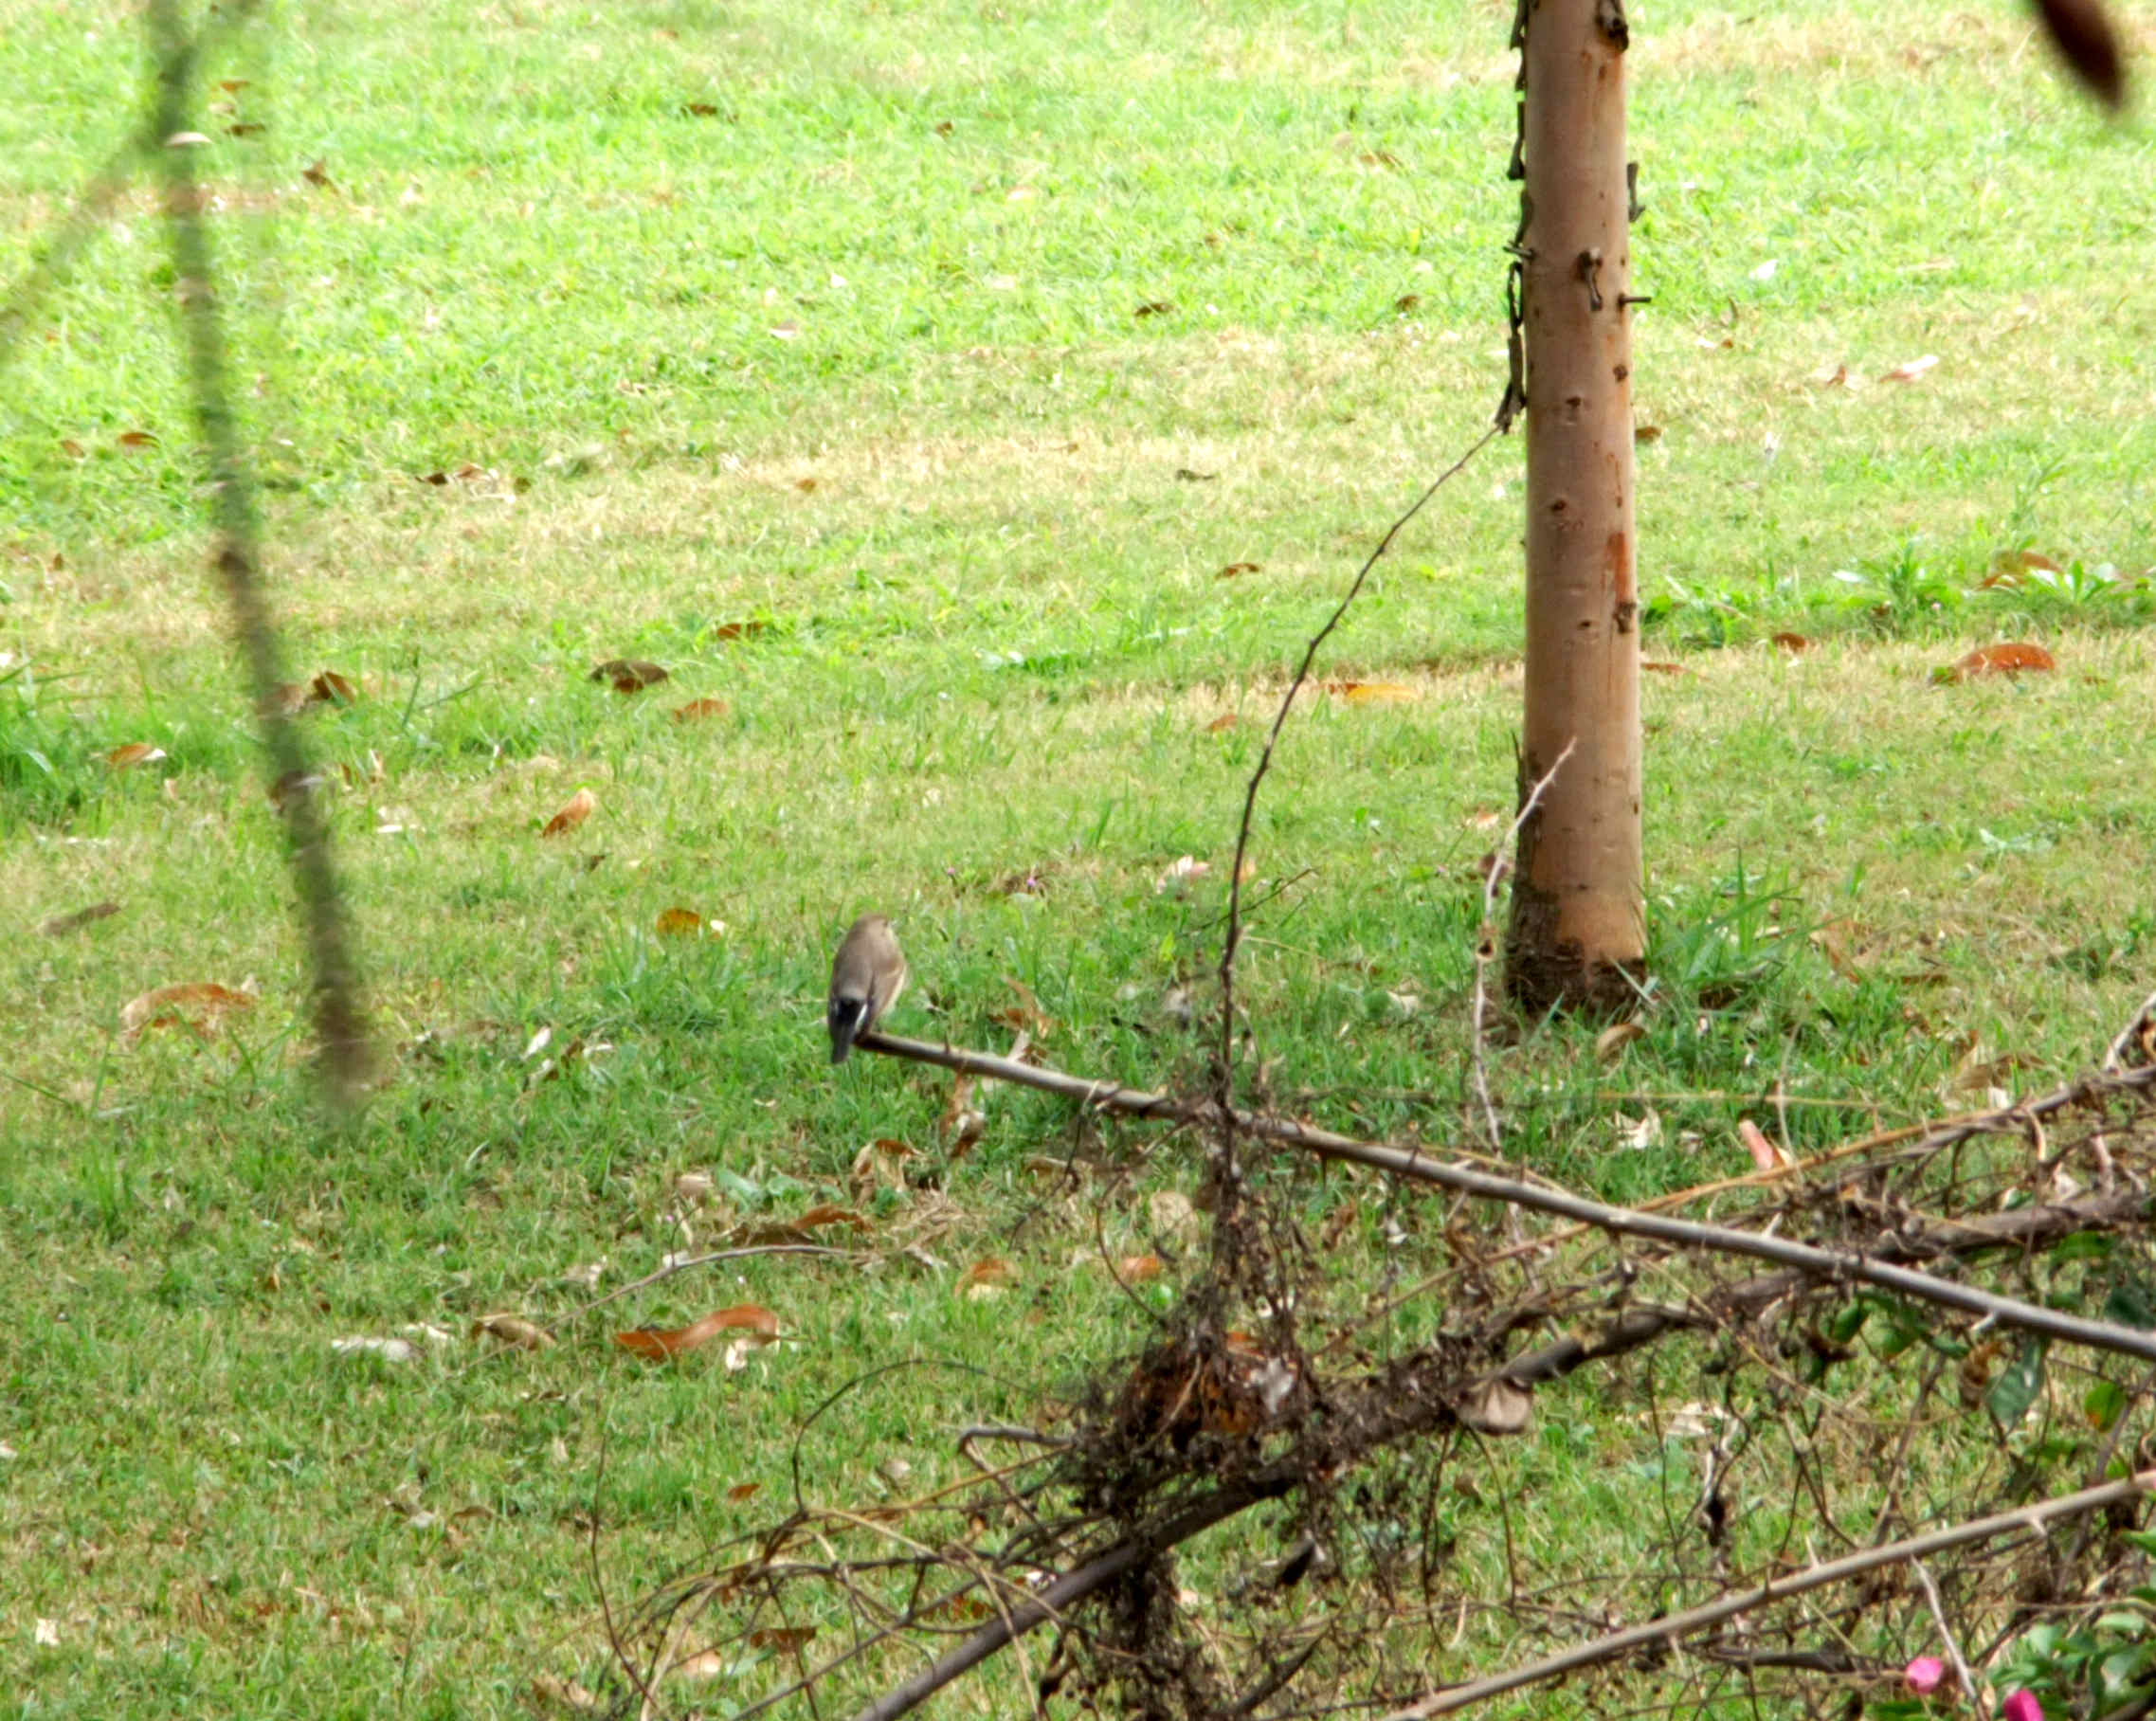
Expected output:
(1611, 1041)
(134, 754)
(1226, 720)
(2000, 660)
(1025, 1016)
(743, 1491)
(783, 1638)
(139, 438)
(961, 1125)
(1179, 872)
(330, 688)
(513, 1330)
(879, 1165)
(629, 674)
(696, 710)
(829, 1213)
(1768, 1156)
(1139, 1269)
(1235, 569)
(1371, 693)
(989, 1276)
(566, 1694)
(60, 924)
(680, 923)
(397, 1350)
(1794, 643)
(1910, 371)
(580, 808)
(1651, 667)
(198, 1002)
(658, 1343)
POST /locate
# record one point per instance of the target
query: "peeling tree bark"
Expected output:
(1578, 934)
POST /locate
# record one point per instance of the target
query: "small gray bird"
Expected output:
(866, 978)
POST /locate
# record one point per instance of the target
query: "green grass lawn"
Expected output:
(809, 353)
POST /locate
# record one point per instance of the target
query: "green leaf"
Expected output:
(2083, 1246)
(2118, 1674)
(2103, 1403)
(1845, 1324)
(2130, 1305)
(2017, 1387)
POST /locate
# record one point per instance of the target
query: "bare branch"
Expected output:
(1623, 1222)
(1273, 737)
(1670, 1629)
(1486, 945)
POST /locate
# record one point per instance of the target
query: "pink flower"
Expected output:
(2021, 1706)
(1923, 1674)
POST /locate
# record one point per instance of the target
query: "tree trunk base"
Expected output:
(1545, 974)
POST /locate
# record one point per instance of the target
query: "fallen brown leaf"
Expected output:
(629, 674)
(989, 1276)
(658, 1345)
(1663, 669)
(829, 1213)
(134, 754)
(1026, 1015)
(880, 1163)
(167, 1003)
(1612, 1040)
(564, 1693)
(680, 923)
(1371, 693)
(1794, 643)
(330, 688)
(513, 1330)
(696, 710)
(1766, 1155)
(1910, 370)
(1235, 569)
(579, 808)
(1226, 720)
(2003, 660)
(737, 630)
(136, 439)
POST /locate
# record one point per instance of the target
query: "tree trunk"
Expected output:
(1578, 934)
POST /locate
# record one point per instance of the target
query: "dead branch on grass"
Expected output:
(1415, 1164)
(1206, 1426)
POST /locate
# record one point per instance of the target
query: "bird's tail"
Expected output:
(848, 1016)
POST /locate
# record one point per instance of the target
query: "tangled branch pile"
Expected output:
(1303, 1496)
